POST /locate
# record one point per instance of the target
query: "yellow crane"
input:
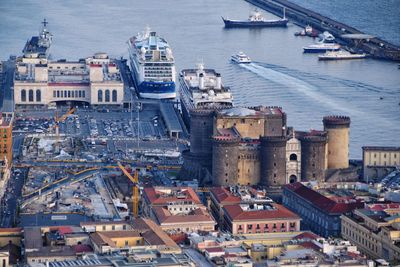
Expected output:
(57, 121)
(135, 193)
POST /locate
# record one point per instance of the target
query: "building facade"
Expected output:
(95, 80)
(375, 230)
(259, 218)
(319, 213)
(176, 209)
(379, 161)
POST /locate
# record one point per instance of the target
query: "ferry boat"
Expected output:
(38, 47)
(241, 58)
(152, 65)
(255, 20)
(321, 47)
(340, 55)
(202, 88)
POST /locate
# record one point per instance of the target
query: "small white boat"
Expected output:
(339, 55)
(241, 58)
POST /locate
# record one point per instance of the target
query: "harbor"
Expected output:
(355, 39)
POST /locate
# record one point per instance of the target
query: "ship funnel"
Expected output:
(201, 81)
(218, 84)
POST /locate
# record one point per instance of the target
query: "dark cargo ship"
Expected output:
(255, 20)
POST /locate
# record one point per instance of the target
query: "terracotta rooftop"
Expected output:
(165, 195)
(236, 213)
(223, 195)
(166, 217)
(324, 203)
(102, 223)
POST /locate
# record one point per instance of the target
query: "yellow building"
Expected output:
(375, 230)
(109, 241)
(379, 161)
(6, 124)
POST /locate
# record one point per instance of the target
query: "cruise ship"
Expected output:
(202, 88)
(152, 65)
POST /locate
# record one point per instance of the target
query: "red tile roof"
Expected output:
(213, 250)
(157, 197)
(324, 203)
(236, 213)
(310, 245)
(165, 217)
(306, 235)
(222, 195)
(80, 248)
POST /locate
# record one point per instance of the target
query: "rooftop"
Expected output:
(251, 112)
(239, 194)
(245, 212)
(164, 216)
(335, 204)
(381, 148)
(168, 195)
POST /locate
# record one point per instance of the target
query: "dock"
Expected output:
(375, 47)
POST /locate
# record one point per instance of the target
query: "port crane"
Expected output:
(135, 194)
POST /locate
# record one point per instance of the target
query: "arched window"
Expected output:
(293, 157)
(23, 95)
(114, 96)
(107, 97)
(83, 94)
(30, 95)
(99, 96)
(69, 93)
(73, 94)
(79, 93)
(38, 96)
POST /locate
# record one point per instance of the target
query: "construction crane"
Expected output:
(135, 194)
(57, 121)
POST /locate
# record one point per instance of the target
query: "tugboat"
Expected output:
(307, 31)
(241, 58)
(256, 20)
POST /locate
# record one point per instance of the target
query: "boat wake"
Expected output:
(295, 84)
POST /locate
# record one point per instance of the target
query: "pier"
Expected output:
(375, 47)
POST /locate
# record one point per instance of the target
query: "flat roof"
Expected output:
(170, 117)
(381, 148)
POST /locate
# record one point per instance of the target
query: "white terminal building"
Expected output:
(39, 81)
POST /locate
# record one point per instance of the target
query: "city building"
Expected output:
(95, 80)
(320, 211)
(176, 209)
(6, 126)
(375, 230)
(259, 218)
(47, 244)
(379, 161)
(250, 146)
(120, 236)
(221, 196)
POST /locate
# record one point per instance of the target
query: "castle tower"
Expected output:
(337, 128)
(313, 157)
(202, 126)
(225, 160)
(273, 161)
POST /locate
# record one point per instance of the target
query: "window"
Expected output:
(23, 95)
(99, 96)
(240, 227)
(62, 93)
(83, 93)
(293, 157)
(38, 96)
(73, 94)
(113, 227)
(292, 224)
(282, 225)
(250, 226)
(107, 98)
(30, 95)
(104, 227)
(274, 226)
(79, 93)
(54, 93)
(114, 96)
(58, 93)
(126, 243)
(69, 93)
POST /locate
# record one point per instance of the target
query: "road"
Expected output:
(8, 207)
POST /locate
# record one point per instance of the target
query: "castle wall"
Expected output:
(249, 165)
(225, 161)
(273, 161)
